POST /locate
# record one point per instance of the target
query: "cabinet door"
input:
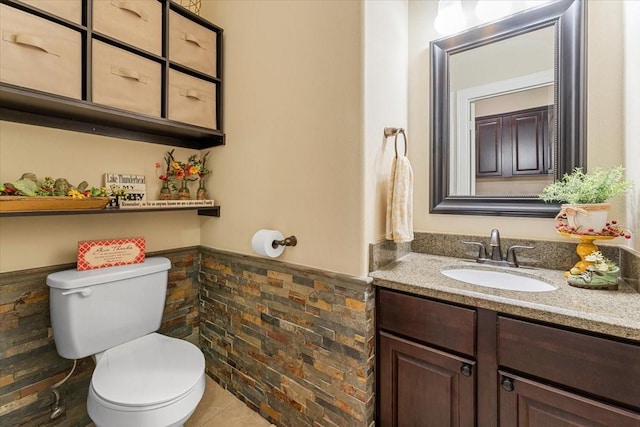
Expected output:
(489, 147)
(527, 143)
(514, 144)
(526, 403)
(422, 387)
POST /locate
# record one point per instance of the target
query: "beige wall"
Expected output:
(386, 102)
(307, 93)
(294, 159)
(604, 120)
(28, 242)
(631, 14)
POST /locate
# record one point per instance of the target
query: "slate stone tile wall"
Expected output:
(29, 363)
(295, 344)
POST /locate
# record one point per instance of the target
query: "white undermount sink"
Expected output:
(498, 280)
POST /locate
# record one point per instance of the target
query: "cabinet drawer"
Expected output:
(191, 44)
(595, 365)
(33, 47)
(124, 80)
(70, 10)
(436, 323)
(192, 100)
(136, 22)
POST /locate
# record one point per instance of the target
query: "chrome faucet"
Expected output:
(496, 252)
(496, 258)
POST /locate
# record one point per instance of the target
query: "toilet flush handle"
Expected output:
(85, 292)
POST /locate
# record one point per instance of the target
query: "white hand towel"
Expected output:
(400, 202)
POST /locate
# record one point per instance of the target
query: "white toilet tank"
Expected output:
(94, 310)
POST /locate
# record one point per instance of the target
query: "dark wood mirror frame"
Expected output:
(569, 18)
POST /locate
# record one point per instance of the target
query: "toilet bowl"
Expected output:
(141, 378)
(148, 382)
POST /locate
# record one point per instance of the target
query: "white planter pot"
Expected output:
(586, 217)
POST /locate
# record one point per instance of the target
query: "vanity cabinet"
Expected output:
(426, 369)
(514, 144)
(551, 377)
(146, 70)
(528, 403)
(441, 364)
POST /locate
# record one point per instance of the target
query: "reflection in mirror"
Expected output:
(507, 111)
(497, 148)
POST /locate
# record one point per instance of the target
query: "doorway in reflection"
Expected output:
(503, 124)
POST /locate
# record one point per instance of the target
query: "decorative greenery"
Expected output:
(29, 185)
(579, 187)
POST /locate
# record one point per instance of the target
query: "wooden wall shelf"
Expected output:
(26, 104)
(42, 109)
(214, 211)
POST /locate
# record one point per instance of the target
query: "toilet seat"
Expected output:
(147, 373)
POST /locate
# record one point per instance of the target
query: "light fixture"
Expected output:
(490, 10)
(450, 18)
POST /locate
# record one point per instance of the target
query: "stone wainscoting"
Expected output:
(29, 363)
(295, 344)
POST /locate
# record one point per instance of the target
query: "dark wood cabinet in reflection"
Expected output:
(514, 144)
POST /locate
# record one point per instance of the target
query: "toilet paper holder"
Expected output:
(289, 241)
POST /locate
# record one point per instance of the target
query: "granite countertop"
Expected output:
(615, 313)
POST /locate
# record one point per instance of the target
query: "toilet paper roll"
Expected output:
(262, 240)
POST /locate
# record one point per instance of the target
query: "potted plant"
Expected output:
(583, 197)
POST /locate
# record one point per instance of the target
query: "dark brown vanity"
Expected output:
(446, 364)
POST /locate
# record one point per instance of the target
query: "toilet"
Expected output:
(141, 378)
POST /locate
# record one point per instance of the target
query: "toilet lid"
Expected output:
(148, 371)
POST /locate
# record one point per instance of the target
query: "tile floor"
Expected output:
(219, 408)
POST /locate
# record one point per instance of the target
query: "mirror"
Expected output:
(507, 111)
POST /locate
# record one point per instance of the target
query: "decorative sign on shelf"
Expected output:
(167, 204)
(128, 187)
(109, 253)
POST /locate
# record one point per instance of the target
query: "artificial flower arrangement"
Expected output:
(177, 173)
(602, 273)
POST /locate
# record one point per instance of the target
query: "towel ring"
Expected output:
(395, 141)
